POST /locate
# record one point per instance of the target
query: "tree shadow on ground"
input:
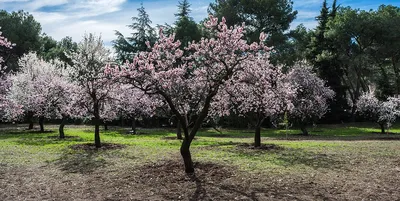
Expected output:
(283, 156)
(24, 133)
(85, 158)
(364, 137)
(307, 158)
(168, 181)
(201, 192)
(47, 140)
(83, 162)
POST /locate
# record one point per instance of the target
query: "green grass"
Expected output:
(327, 147)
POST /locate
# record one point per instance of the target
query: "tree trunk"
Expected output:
(41, 120)
(97, 135)
(187, 157)
(134, 125)
(179, 130)
(30, 125)
(257, 136)
(30, 116)
(382, 128)
(353, 112)
(61, 128)
(97, 122)
(303, 128)
(105, 126)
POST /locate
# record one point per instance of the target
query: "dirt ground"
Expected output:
(167, 181)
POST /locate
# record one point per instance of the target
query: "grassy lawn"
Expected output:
(337, 162)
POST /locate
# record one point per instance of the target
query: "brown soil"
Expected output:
(91, 146)
(167, 181)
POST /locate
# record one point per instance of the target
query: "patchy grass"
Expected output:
(336, 162)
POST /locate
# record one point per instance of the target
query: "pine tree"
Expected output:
(186, 29)
(143, 31)
(322, 56)
(183, 9)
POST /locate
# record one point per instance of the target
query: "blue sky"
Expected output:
(60, 18)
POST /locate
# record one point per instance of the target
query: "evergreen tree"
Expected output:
(21, 28)
(326, 63)
(186, 29)
(183, 9)
(126, 47)
(272, 17)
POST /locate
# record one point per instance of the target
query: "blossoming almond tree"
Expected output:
(258, 92)
(132, 103)
(384, 113)
(8, 109)
(188, 84)
(40, 87)
(310, 102)
(94, 87)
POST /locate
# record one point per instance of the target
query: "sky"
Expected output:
(60, 18)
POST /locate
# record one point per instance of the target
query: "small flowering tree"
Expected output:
(310, 102)
(258, 92)
(8, 109)
(188, 84)
(132, 103)
(384, 113)
(94, 87)
(40, 87)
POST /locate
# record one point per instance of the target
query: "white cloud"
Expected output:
(36, 4)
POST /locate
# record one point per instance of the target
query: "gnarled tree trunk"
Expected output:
(187, 157)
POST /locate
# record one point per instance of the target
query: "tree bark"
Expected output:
(30, 127)
(257, 136)
(41, 120)
(97, 122)
(134, 125)
(105, 126)
(179, 130)
(303, 128)
(187, 157)
(30, 116)
(97, 135)
(382, 128)
(61, 128)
